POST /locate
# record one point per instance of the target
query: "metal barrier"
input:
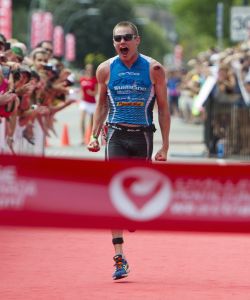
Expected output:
(228, 124)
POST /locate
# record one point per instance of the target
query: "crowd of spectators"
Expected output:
(225, 110)
(34, 85)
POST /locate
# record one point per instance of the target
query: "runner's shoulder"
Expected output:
(102, 72)
(156, 66)
(157, 69)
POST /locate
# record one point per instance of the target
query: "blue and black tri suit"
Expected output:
(131, 99)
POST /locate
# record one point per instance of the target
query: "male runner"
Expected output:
(128, 85)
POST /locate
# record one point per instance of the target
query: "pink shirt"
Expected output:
(4, 86)
(3, 89)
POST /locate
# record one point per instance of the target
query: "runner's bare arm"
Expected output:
(102, 75)
(158, 75)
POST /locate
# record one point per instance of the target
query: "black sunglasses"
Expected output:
(127, 37)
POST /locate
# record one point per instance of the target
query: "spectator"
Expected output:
(88, 84)
(47, 45)
(173, 85)
(30, 88)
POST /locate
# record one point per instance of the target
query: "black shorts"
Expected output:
(126, 142)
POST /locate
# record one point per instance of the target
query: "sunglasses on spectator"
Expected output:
(127, 37)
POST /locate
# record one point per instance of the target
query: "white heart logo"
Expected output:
(140, 193)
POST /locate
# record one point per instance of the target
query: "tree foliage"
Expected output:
(21, 24)
(94, 58)
(93, 32)
(196, 23)
(151, 35)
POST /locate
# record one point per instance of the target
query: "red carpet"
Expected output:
(77, 264)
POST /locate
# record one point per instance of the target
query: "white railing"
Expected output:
(21, 145)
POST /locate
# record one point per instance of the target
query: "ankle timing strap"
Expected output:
(116, 241)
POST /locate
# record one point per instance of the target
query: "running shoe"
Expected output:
(121, 267)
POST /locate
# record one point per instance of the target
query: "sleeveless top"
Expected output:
(131, 93)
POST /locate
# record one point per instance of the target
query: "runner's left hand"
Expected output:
(161, 155)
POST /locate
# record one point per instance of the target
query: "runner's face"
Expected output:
(127, 50)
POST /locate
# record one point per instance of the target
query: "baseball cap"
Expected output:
(17, 51)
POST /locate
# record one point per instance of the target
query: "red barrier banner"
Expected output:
(124, 194)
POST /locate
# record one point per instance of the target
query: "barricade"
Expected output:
(231, 122)
(21, 145)
(2, 135)
(124, 194)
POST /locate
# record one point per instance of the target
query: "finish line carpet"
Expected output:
(71, 264)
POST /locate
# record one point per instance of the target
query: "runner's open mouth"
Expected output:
(124, 50)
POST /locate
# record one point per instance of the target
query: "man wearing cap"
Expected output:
(15, 54)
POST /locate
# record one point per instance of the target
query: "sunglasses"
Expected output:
(127, 37)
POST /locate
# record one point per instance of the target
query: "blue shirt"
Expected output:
(131, 93)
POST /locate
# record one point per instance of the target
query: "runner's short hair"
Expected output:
(127, 24)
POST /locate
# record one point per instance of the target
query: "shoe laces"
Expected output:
(119, 262)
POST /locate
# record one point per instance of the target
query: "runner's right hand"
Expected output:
(93, 145)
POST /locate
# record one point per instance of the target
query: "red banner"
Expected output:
(41, 27)
(36, 29)
(124, 194)
(6, 18)
(48, 26)
(70, 45)
(58, 41)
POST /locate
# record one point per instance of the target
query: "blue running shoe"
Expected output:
(121, 267)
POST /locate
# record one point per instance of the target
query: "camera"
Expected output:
(48, 67)
(7, 46)
(22, 70)
(68, 83)
(70, 80)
